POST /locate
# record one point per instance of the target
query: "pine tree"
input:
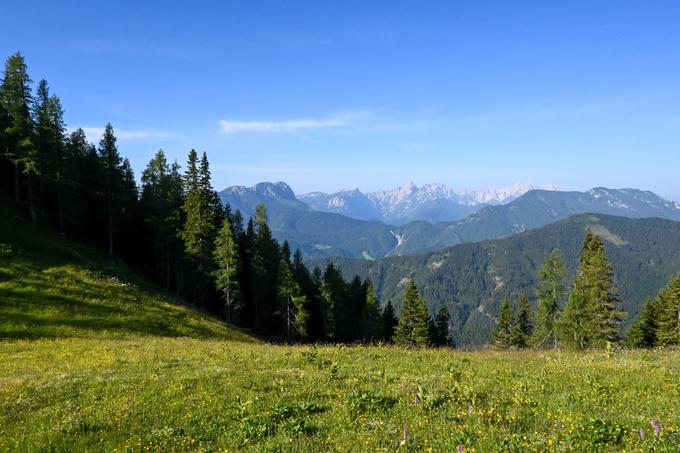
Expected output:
(265, 260)
(502, 334)
(549, 294)
(370, 319)
(111, 166)
(592, 315)
(292, 304)
(226, 260)
(522, 327)
(643, 331)
(412, 329)
(389, 322)
(440, 334)
(16, 98)
(198, 231)
(668, 313)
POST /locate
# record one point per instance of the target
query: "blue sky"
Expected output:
(370, 94)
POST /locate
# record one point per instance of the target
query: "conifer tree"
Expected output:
(502, 334)
(522, 327)
(643, 331)
(292, 304)
(370, 319)
(592, 315)
(440, 334)
(668, 313)
(111, 167)
(549, 294)
(389, 322)
(198, 231)
(16, 98)
(412, 329)
(226, 260)
(265, 260)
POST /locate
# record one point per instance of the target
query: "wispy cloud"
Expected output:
(95, 133)
(340, 119)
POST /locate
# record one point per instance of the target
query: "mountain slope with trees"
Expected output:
(472, 279)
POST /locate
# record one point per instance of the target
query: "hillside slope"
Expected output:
(51, 287)
(471, 279)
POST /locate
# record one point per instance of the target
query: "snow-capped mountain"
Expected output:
(431, 202)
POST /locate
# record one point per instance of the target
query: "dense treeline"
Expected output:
(174, 228)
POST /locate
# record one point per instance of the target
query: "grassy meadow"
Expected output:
(92, 358)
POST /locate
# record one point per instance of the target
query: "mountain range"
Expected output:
(471, 279)
(319, 233)
(432, 202)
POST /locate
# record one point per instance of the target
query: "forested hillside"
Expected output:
(472, 279)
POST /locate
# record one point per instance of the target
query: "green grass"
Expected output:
(94, 359)
(53, 288)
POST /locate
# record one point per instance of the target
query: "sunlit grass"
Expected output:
(191, 394)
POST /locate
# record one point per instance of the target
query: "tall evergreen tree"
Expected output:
(643, 331)
(440, 334)
(549, 294)
(522, 328)
(389, 322)
(412, 329)
(370, 319)
(111, 167)
(502, 334)
(592, 315)
(226, 260)
(16, 98)
(668, 313)
(198, 231)
(265, 263)
(292, 304)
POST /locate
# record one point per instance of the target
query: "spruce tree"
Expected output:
(440, 332)
(502, 334)
(389, 322)
(370, 319)
(265, 258)
(294, 315)
(412, 330)
(643, 331)
(549, 294)
(668, 313)
(16, 98)
(225, 255)
(111, 167)
(522, 327)
(198, 231)
(592, 315)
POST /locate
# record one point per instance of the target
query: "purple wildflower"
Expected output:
(461, 448)
(656, 425)
(642, 434)
(405, 431)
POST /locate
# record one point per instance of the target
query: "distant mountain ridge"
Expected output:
(431, 202)
(319, 233)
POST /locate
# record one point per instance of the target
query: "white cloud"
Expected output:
(94, 134)
(344, 118)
